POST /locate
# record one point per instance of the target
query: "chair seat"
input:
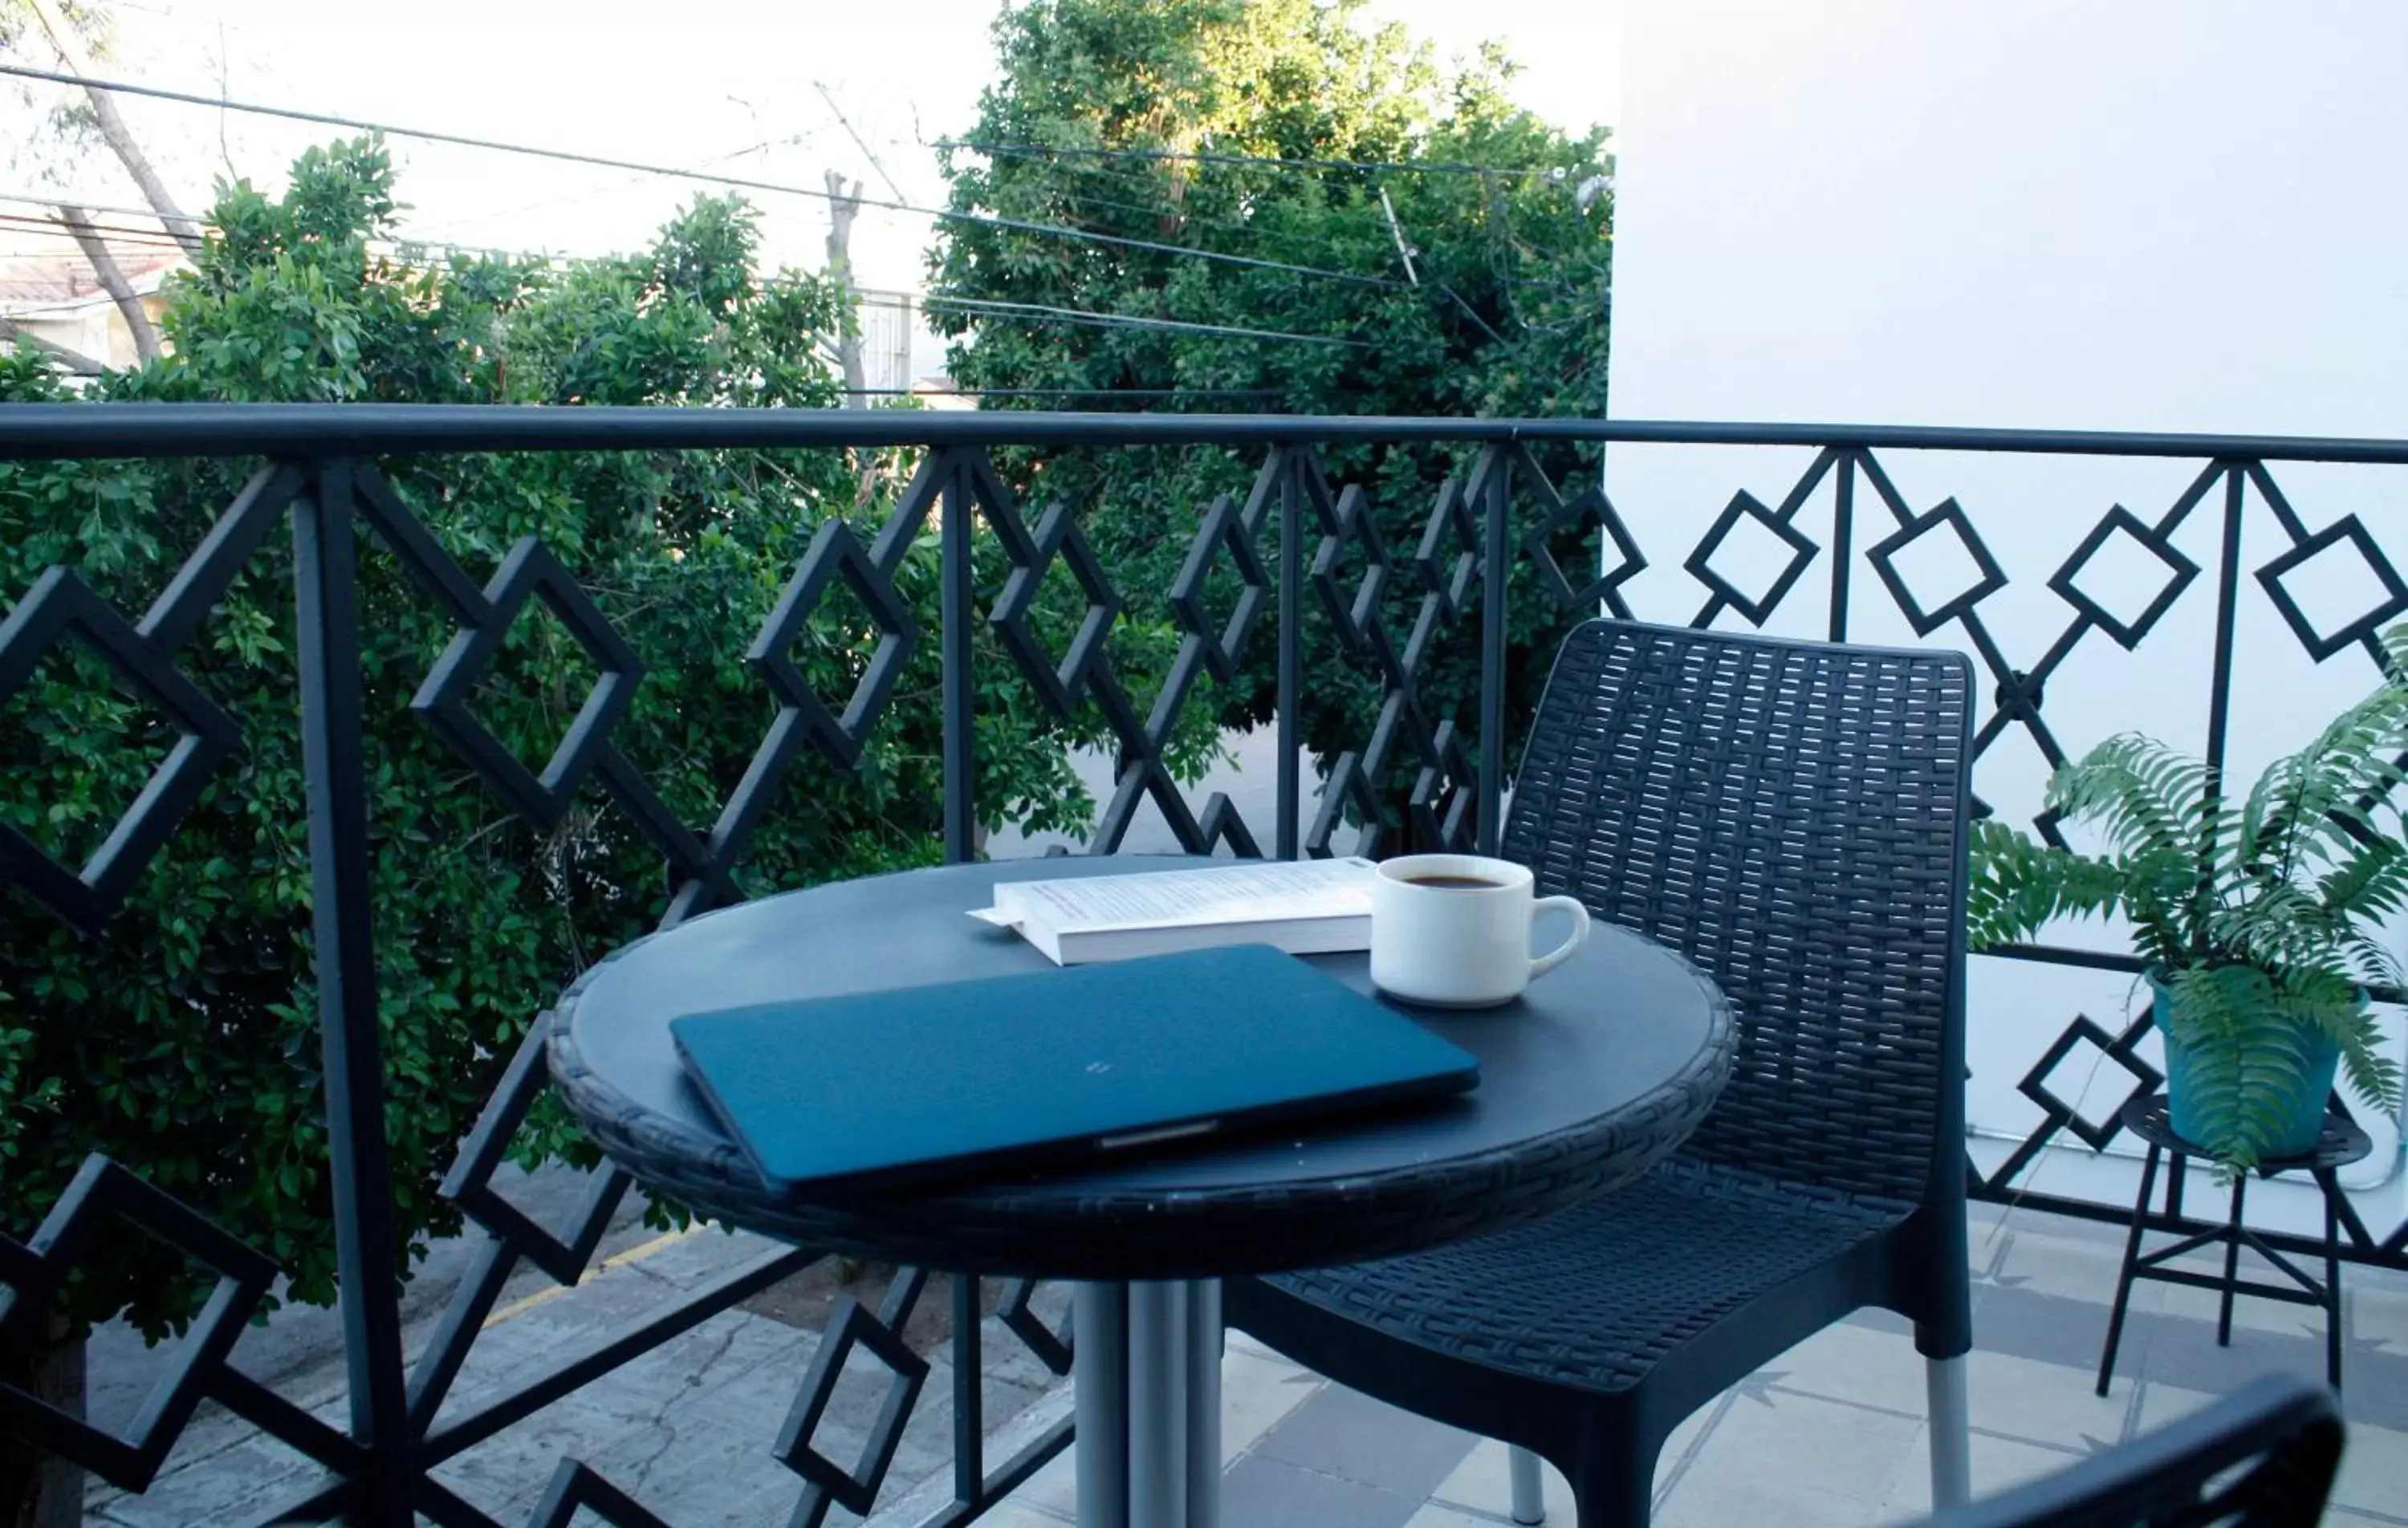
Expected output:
(1597, 1295)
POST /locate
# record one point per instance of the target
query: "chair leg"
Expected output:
(1529, 1491)
(2132, 1259)
(1951, 1439)
(1614, 1486)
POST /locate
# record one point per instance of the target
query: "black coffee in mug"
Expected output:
(1451, 883)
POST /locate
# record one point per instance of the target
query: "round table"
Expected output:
(1599, 1071)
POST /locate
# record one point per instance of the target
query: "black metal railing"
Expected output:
(1499, 518)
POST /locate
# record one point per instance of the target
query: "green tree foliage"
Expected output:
(182, 1040)
(1508, 318)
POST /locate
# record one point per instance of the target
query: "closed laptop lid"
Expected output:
(1051, 1066)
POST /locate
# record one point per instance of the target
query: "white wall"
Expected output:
(2149, 214)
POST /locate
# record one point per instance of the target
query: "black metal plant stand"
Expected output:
(2342, 1142)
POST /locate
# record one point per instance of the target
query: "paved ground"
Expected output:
(1829, 1434)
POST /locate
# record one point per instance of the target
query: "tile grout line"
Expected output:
(1721, 1408)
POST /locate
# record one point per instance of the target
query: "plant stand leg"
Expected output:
(2232, 1262)
(2330, 1184)
(2132, 1259)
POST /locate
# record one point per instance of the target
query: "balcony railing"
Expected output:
(1293, 565)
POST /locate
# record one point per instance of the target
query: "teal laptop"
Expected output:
(1051, 1069)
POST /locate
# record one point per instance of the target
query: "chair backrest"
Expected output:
(1792, 817)
(2263, 1457)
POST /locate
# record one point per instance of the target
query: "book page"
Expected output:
(1236, 894)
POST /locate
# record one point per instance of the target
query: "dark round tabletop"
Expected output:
(1601, 1069)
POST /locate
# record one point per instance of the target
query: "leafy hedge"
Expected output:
(182, 1040)
(1503, 311)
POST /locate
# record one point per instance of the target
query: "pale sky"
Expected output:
(729, 86)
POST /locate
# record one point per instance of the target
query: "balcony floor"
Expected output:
(1831, 1436)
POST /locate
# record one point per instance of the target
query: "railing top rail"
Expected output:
(38, 431)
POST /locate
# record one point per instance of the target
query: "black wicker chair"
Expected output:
(2263, 1457)
(1791, 817)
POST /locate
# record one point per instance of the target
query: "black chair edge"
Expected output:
(2286, 1423)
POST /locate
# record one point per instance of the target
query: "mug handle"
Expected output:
(1578, 935)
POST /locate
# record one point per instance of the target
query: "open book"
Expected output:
(1303, 907)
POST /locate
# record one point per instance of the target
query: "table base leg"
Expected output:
(1147, 1404)
(1204, 1343)
(1157, 1423)
(1100, 1372)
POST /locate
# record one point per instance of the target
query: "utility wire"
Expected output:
(18, 223)
(1061, 392)
(1416, 169)
(570, 156)
(983, 305)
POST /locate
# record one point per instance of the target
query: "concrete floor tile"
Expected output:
(1256, 1392)
(1243, 1342)
(2023, 1398)
(1011, 1514)
(2045, 1402)
(2374, 1473)
(1264, 1493)
(1484, 1483)
(1345, 1434)
(1724, 1498)
(2068, 1268)
(1053, 1489)
(1822, 1448)
(2162, 1404)
(1440, 1515)
(2375, 1317)
(1997, 1464)
(1848, 1363)
(2054, 1329)
(2279, 1318)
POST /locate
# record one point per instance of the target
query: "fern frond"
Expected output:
(2371, 882)
(2246, 1059)
(2017, 886)
(2147, 796)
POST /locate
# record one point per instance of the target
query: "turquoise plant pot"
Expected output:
(2302, 1122)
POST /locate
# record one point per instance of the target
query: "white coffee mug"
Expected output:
(1453, 930)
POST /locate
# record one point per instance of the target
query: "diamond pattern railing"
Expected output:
(1299, 550)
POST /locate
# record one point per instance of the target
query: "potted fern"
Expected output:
(2259, 918)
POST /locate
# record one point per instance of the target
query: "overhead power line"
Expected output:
(1271, 162)
(1131, 320)
(18, 222)
(1064, 391)
(605, 161)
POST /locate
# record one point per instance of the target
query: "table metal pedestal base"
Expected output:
(1149, 1405)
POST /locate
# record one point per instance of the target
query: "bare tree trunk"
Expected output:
(74, 360)
(51, 1494)
(113, 129)
(843, 207)
(120, 291)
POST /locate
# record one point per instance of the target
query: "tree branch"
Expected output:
(113, 129)
(120, 291)
(843, 207)
(74, 360)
